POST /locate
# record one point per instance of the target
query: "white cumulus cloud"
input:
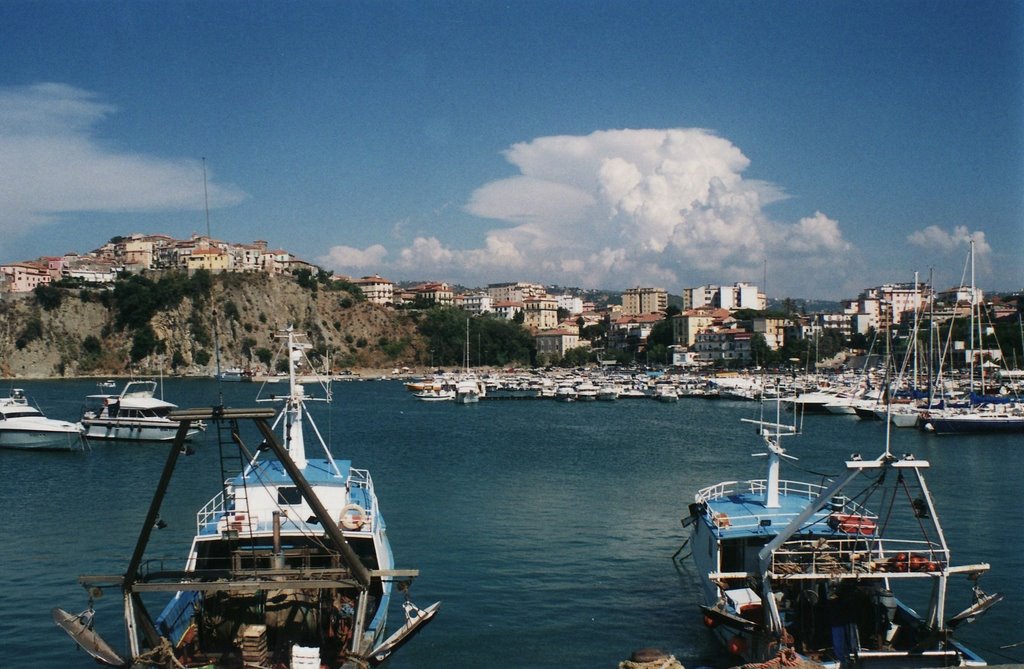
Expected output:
(622, 207)
(51, 163)
(348, 258)
(935, 238)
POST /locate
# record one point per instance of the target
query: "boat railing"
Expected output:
(217, 515)
(758, 486)
(851, 512)
(208, 516)
(858, 556)
(361, 492)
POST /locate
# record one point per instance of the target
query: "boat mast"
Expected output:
(917, 308)
(931, 338)
(293, 405)
(971, 336)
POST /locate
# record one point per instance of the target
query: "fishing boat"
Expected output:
(797, 570)
(290, 565)
(24, 427)
(136, 414)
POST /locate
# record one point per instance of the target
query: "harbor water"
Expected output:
(546, 529)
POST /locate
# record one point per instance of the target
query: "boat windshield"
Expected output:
(19, 413)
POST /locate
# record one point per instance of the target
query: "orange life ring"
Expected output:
(353, 517)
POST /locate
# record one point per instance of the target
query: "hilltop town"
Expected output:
(727, 325)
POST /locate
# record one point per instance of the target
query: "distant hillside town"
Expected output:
(714, 325)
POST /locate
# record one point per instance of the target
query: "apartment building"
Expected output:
(740, 295)
(636, 301)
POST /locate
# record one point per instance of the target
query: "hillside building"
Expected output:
(636, 301)
(540, 313)
(738, 296)
(376, 289)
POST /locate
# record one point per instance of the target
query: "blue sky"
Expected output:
(599, 144)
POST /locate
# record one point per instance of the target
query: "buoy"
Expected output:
(737, 645)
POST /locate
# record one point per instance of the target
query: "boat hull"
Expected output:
(132, 431)
(973, 425)
(29, 439)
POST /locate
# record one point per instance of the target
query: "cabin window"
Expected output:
(289, 495)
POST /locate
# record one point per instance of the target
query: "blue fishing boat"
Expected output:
(290, 564)
(793, 570)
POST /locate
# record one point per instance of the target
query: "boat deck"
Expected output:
(844, 540)
(737, 508)
(220, 514)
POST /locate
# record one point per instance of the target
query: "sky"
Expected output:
(813, 148)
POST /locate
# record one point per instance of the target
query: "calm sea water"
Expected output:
(547, 529)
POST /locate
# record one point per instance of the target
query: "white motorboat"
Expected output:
(664, 392)
(136, 414)
(469, 390)
(24, 427)
(587, 392)
(565, 393)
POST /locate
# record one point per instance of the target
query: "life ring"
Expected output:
(353, 517)
(721, 519)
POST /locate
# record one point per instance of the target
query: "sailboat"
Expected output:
(468, 388)
(290, 564)
(985, 414)
(792, 570)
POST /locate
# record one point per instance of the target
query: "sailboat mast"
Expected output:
(971, 334)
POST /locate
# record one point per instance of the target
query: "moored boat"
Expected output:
(792, 569)
(469, 390)
(993, 419)
(290, 564)
(24, 427)
(136, 414)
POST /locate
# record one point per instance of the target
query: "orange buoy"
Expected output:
(737, 645)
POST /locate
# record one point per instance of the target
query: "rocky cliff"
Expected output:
(81, 332)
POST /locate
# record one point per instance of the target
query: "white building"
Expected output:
(740, 295)
(518, 291)
(376, 289)
(508, 309)
(477, 303)
(571, 303)
(887, 305)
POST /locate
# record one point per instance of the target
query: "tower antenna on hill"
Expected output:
(216, 337)
(206, 200)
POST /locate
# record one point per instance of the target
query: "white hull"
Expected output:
(132, 430)
(40, 440)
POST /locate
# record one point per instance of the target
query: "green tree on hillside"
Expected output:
(493, 340)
